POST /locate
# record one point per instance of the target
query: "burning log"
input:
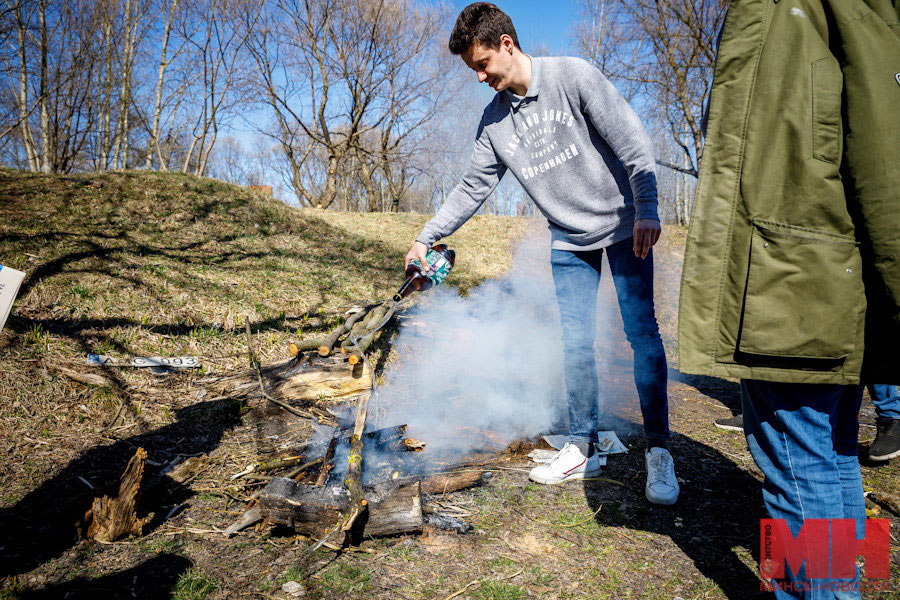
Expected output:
(328, 464)
(413, 445)
(313, 510)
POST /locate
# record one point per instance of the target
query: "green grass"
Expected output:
(495, 590)
(193, 585)
(344, 578)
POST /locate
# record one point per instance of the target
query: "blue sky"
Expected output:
(537, 22)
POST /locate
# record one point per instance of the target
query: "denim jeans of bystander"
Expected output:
(803, 438)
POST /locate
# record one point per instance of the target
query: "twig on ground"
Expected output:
(462, 590)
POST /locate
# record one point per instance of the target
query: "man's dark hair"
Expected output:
(484, 23)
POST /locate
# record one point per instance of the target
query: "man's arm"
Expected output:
(481, 177)
(620, 127)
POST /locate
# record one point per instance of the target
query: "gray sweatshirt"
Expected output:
(577, 148)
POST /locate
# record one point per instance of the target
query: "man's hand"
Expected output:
(418, 251)
(646, 234)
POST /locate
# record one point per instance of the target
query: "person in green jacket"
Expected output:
(791, 278)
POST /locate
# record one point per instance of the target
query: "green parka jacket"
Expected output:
(792, 267)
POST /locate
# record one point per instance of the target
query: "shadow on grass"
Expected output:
(726, 392)
(112, 224)
(152, 579)
(719, 509)
(42, 525)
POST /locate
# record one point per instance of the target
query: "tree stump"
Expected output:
(112, 518)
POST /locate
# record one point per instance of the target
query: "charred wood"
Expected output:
(313, 510)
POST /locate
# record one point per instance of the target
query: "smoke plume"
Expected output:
(490, 361)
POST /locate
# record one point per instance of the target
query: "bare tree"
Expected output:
(661, 55)
(217, 51)
(331, 72)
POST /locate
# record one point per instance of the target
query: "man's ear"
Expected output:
(506, 42)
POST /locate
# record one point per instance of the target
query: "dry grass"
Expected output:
(171, 265)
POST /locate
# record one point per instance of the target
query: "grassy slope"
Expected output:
(168, 264)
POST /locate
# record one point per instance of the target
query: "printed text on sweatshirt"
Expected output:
(577, 148)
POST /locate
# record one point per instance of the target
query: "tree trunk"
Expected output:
(330, 192)
(105, 142)
(24, 111)
(160, 79)
(46, 151)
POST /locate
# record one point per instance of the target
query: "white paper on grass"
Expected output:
(542, 456)
(178, 362)
(608, 443)
(10, 281)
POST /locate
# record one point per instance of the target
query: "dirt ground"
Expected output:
(580, 540)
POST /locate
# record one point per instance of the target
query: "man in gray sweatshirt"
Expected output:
(582, 155)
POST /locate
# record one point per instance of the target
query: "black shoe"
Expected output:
(735, 423)
(887, 441)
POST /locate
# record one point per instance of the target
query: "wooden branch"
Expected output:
(353, 482)
(328, 464)
(306, 345)
(445, 483)
(373, 327)
(324, 343)
(360, 350)
(250, 517)
(331, 339)
(296, 472)
(354, 334)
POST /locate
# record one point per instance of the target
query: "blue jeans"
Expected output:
(803, 438)
(576, 276)
(886, 399)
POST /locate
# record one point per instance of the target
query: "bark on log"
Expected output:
(306, 345)
(314, 511)
(112, 518)
(445, 483)
(399, 512)
(361, 348)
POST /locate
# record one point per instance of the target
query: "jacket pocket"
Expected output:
(804, 295)
(827, 82)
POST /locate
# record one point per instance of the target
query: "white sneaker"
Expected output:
(662, 487)
(569, 463)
